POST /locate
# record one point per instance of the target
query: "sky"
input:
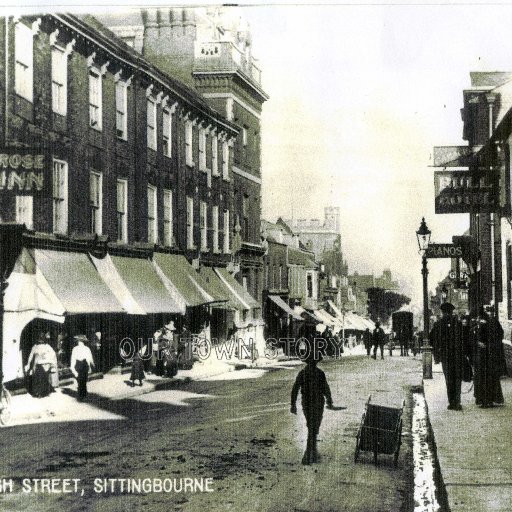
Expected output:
(359, 95)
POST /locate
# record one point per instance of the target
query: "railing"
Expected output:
(211, 55)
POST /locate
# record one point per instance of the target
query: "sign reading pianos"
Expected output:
(22, 171)
(464, 192)
(444, 251)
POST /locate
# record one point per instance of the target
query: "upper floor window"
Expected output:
(151, 123)
(202, 149)
(204, 226)
(215, 156)
(215, 227)
(245, 217)
(189, 157)
(25, 211)
(152, 215)
(167, 132)
(122, 211)
(168, 228)
(122, 109)
(309, 278)
(227, 241)
(96, 201)
(190, 223)
(244, 135)
(95, 99)
(24, 61)
(59, 80)
(60, 196)
(225, 160)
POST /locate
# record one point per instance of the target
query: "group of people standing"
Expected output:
(470, 349)
(42, 369)
(375, 339)
(168, 349)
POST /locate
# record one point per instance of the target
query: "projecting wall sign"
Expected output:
(464, 192)
(444, 251)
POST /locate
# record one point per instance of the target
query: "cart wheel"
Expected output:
(5, 408)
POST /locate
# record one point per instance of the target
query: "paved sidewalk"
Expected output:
(473, 447)
(63, 405)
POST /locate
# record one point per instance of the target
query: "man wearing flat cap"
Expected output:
(447, 347)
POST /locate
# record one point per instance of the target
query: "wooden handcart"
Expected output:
(380, 431)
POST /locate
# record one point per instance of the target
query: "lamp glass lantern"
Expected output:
(423, 235)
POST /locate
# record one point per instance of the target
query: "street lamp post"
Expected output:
(423, 236)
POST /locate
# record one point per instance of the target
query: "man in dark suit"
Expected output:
(447, 348)
(314, 392)
(379, 339)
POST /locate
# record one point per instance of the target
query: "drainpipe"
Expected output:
(491, 98)
(6, 111)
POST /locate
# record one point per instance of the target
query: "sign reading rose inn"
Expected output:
(22, 171)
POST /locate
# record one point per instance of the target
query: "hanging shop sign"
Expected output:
(22, 171)
(464, 192)
(444, 251)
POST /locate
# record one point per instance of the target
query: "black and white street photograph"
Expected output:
(256, 256)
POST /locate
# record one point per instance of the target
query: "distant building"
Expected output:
(318, 236)
(364, 281)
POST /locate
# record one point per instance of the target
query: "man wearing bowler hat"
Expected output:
(447, 347)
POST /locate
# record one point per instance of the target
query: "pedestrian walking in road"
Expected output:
(367, 337)
(41, 362)
(81, 364)
(378, 339)
(448, 349)
(137, 369)
(315, 391)
(489, 359)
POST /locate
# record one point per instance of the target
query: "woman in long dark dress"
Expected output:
(41, 360)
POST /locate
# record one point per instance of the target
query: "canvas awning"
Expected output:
(145, 286)
(75, 282)
(301, 311)
(278, 301)
(113, 280)
(328, 319)
(225, 285)
(178, 275)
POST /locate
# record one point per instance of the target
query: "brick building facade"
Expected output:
(103, 147)
(210, 50)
